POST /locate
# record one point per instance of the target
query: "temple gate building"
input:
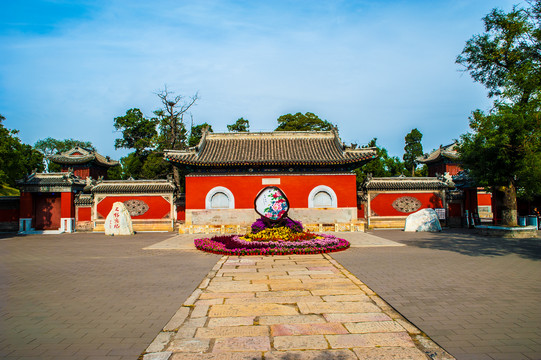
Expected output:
(313, 169)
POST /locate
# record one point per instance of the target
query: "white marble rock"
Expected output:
(423, 220)
(118, 221)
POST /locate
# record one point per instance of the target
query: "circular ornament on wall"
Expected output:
(406, 204)
(136, 207)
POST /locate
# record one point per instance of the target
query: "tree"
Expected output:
(138, 132)
(16, 159)
(171, 122)
(383, 166)
(241, 125)
(412, 150)
(503, 149)
(197, 132)
(303, 122)
(50, 146)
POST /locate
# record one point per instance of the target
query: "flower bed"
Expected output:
(237, 245)
(273, 238)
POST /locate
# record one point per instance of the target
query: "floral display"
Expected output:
(272, 203)
(269, 239)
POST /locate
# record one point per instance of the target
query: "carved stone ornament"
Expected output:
(271, 203)
(406, 204)
(136, 207)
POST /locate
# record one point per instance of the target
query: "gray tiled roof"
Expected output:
(404, 183)
(271, 148)
(70, 158)
(60, 181)
(447, 151)
(134, 186)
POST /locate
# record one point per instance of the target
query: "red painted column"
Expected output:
(26, 206)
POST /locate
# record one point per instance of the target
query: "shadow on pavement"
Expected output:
(465, 242)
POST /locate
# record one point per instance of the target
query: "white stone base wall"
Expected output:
(246, 217)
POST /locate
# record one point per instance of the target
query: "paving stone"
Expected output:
(333, 298)
(373, 327)
(193, 297)
(276, 300)
(160, 342)
(189, 345)
(232, 331)
(256, 343)
(200, 311)
(177, 319)
(410, 328)
(157, 356)
(370, 340)
(390, 353)
(291, 319)
(283, 293)
(311, 355)
(218, 356)
(300, 342)
(233, 287)
(226, 295)
(231, 321)
(335, 307)
(357, 317)
(251, 309)
(340, 291)
(307, 329)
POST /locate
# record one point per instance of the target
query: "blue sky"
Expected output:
(374, 68)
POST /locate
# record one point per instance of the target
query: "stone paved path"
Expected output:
(287, 307)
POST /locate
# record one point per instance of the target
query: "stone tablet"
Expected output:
(271, 203)
(118, 221)
(423, 220)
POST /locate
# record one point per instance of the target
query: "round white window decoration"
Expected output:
(219, 198)
(322, 197)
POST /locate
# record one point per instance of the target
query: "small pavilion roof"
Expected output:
(279, 148)
(447, 151)
(57, 181)
(404, 183)
(79, 155)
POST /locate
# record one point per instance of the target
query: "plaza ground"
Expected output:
(88, 296)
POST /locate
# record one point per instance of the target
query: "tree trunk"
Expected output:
(176, 177)
(509, 205)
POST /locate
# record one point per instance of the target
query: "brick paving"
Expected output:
(477, 297)
(90, 296)
(287, 307)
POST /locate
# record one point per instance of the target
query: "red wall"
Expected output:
(442, 168)
(382, 203)
(68, 205)
(48, 207)
(27, 205)
(158, 206)
(245, 188)
(84, 214)
(9, 215)
(484, 199)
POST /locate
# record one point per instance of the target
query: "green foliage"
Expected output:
(303, 122)
(241, 125)
(383, 166)
(138, 132)
(50, 146)
(16, 159)
(197, 132)
(507, 57)
(8, 191)
(503, 148)
(412, 150)
(115, 173)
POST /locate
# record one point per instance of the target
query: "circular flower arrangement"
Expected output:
(266, 238)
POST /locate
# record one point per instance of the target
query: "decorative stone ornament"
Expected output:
(136, 207)
(406, 204)
(118, 221)
(423, 220)
(272, 204)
